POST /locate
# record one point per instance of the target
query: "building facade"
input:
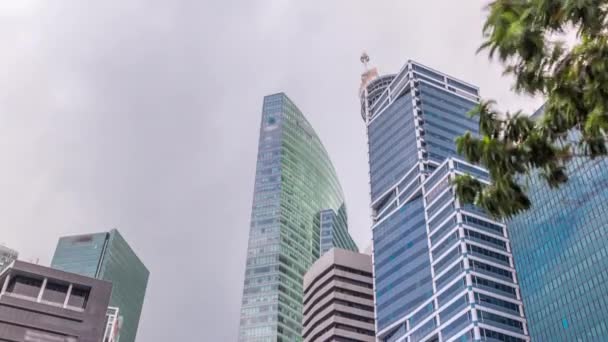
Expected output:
(443, 271)
(295, 181)
(7, 256)
(334, 230)
(43, 304)
(108, 256)
(113, 322)
(560, 248)
(339, 298)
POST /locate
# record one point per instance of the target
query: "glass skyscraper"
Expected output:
(443, 271)
(296, 188)
(109, 257)
(334, 230)
(560, 248)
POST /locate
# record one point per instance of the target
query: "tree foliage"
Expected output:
(528, 37)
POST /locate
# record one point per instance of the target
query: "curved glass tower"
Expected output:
(295, 186)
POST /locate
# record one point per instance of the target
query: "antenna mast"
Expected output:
(365, 60)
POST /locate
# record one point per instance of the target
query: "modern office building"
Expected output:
(334, 230)
(109, 257)
(443, 271)
(560, 247)
(339, 298)
(295, 181)
(47, 305)
(7, 256)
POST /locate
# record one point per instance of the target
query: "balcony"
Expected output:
(113, 323)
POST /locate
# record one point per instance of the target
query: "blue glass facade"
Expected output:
(334, 230)
(296, 189)
(108, 256)
(560, 248)
(401, 244)
(392, 151)
(443, 272)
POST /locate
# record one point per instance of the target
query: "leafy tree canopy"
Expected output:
(528, 38)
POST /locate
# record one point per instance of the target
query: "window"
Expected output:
(441, 217)
(79, 297)
(479, 266)
(454, 308)
(482, 224)
(447, 260)
(395, 334)
(493, 302)
(488, 284)
(487, 316)
(25, 286)
(481, 237)
(496, 257)
(427, 72)
(499, 336)
(55, 292)
(463, 86)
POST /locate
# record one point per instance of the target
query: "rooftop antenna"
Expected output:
(365, 60)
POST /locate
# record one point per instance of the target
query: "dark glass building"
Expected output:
(41, 304)
(109, 257)
(560, 248)
(296, 187)
(442, 271)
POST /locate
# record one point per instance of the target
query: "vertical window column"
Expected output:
(67, 297)
(44, 281)
(5, 285)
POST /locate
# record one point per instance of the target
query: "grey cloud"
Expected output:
(143, 115)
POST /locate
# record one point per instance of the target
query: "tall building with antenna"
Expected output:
(298, 213)
(443, 271)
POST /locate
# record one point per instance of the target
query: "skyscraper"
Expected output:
(560, 247)
(295, 181)
(443, 271)
(7, 256)
(339, 298)
(334, 230)
(109, 257)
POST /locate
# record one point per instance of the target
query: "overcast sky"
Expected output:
(144, 115)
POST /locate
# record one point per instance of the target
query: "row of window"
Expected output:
(447, 260)
(447, 243)
(53, 292)
(402, 250)
(418, 266)
(337, 313)
(335, 301)
(441, 217)
(496, 271)
(488, 254)
(345, 327)
(490, 318)
(444, 229)
(340, 280)
(335, 290)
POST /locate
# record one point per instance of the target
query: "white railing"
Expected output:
(113, 321)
